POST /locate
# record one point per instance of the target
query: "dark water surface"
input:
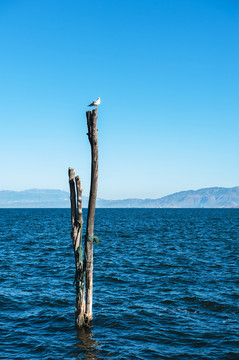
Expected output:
(165, 285)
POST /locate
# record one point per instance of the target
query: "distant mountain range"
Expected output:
(215, 197)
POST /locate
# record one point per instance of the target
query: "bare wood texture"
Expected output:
(92, 135)
(77, 227)
(79, 208)
(79, 198)
(71, 173)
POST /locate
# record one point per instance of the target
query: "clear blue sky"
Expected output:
(167, 73)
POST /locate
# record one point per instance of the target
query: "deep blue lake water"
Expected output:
(165, 285)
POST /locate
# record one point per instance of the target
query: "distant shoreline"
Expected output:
(208, 198)
(114, 208)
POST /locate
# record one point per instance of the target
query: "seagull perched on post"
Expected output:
(95, 103)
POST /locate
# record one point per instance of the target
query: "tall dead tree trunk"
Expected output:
(76, 233)
(92, 135)
(84, 269)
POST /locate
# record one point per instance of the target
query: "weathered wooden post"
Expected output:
(76, 233)
(84, 269)
(92, 135)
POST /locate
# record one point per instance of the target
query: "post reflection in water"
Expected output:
(87, 347)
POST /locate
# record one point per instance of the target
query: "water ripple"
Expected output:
(165, 285)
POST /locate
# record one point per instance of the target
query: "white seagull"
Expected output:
(95, 103)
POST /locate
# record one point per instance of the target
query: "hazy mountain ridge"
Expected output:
(33, 198)
(215, 197)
